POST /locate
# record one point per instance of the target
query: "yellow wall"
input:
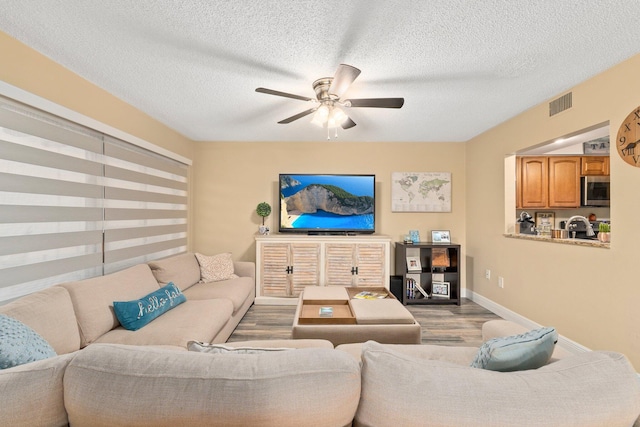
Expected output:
(231, 178)
(589, 294)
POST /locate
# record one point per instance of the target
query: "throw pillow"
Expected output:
(530, 350)
(19, 344)
(135, 314)
(201, 347)
(215, 268)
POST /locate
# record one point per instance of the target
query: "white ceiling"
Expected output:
(463, 66)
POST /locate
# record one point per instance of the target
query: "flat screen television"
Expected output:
(327, 204)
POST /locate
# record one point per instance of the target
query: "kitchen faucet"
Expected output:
(571, 227)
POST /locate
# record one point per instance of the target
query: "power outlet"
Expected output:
(487, 274)
(501, 282)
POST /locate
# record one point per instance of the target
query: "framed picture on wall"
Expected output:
(440, 236)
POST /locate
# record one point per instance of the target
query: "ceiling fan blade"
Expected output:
(348, 124)
(377, 102)
(297, 116)
(345, 75)
(285, 94)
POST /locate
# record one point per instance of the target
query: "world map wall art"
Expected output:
(421, 192)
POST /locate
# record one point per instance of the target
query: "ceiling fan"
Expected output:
(329, 104)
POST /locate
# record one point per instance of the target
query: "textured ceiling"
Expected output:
(463, 66)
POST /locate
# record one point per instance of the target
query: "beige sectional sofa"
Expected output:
(70, 316)
(107, 376)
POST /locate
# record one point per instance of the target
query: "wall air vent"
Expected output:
(559, 105)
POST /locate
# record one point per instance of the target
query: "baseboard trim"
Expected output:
(505, 313)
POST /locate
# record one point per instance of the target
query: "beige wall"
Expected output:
(231, 178)
(589, 294)
(29, 70)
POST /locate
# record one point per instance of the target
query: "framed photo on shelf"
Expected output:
(440, 290)
(413, 263)
(545, 218)
(440, 236)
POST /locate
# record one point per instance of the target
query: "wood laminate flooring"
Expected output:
(451, 325)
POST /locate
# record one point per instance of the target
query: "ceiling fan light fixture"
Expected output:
(321, 115)
(336, 117)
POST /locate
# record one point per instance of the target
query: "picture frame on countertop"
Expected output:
(441, 290)
(544, 218)
(413, 264)
(440, 236)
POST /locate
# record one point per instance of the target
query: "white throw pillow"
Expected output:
(216, 267)
(201, 347)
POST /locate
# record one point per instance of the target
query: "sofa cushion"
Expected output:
(135, 314)
(237, 290)
(530, 350)
(199, 320)
(453, 354)
(202, 347)
(588, 389)
(32, 395)
(19, 344)
(50, 313)
(216, 267)
(93, 298)
(183, 270)
(380, 311)
(107, 385)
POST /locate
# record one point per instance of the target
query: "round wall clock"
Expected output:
(628, 138)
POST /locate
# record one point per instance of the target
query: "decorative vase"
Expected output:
(604, 236)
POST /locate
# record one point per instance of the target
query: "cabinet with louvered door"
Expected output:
(286, 264)
(286, 268)
(355, 264)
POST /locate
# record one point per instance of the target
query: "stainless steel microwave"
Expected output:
(595, 191)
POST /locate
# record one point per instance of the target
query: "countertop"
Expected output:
(575, 242)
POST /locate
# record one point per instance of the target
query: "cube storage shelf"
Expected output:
(439, 262)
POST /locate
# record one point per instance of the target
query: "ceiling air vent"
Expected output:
(559, 105)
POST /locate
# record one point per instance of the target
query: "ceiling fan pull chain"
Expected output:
(328, 134)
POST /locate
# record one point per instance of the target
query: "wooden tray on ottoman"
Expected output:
(377, 291)
(342, 314)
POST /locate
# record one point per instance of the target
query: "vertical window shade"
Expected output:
(75, 203)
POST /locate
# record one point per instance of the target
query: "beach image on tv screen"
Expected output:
(327, 202)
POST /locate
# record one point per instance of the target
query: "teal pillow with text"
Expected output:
(135, 314)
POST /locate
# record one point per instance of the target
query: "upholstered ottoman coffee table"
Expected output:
(384, 319)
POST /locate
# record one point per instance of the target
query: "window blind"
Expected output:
(145, 206)
(75, 203)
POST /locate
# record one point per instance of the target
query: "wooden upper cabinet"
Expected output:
(595, 165)
(548, 182)
(534, 185)
(564, 182)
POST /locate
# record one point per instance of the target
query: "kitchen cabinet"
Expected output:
(595, 165)
(564, 182)
(534, 178)
(548, 182)
(286, 264)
